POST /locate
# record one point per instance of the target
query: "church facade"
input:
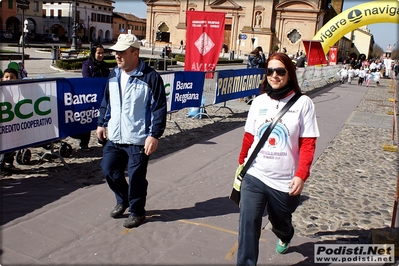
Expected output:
(276, 25)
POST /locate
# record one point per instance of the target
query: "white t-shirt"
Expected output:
(124, 79)
(377, 76)
(278, 159)
(362, 73)
(343, 73)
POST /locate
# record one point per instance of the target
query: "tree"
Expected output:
(377, 51)
(395, 54)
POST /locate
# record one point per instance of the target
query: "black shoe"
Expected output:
(118, 210)
(5, 172)
(133, 221)
(84, 148)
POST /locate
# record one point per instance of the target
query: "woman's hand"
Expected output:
(296, 186)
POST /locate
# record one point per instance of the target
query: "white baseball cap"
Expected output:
(125, 41)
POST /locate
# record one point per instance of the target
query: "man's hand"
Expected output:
(101, 133)
(296, 186)
(151, 144)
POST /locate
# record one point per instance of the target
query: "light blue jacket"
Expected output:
(141, 112)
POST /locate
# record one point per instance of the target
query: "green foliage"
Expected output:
(7, 51)
(70, 64)
(275, 48)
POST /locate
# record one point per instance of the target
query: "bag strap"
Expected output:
(269, 130)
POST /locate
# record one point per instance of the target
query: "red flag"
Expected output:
(205, 35)
(333, 55)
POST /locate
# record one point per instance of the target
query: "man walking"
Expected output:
(134, 112)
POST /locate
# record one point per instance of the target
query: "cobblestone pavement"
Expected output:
(352, 185)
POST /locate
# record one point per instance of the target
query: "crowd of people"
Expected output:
(368, 70)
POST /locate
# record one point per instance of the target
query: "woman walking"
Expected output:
(276, 177)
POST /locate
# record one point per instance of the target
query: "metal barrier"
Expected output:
(69, 106)
(309, 78)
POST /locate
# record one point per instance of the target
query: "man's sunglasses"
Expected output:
(279, 70)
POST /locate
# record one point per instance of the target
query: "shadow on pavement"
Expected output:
(22, 196)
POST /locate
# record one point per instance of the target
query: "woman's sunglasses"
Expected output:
(279, 70)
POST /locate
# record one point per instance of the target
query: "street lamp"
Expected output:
(74, 28)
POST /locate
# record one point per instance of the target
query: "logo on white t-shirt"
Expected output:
(278, 138)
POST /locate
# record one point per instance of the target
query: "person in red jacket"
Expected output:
(276, 177)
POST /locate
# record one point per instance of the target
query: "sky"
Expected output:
(384, 33)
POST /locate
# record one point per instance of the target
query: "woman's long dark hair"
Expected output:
(289, 65)
(93, 51)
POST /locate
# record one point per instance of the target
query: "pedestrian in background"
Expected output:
(256, 59)
(94, 67)
(396, 69)
(351, 74)
(22, 71)
(343, 74)
(7, 159)
(377, 76)
(9, 74)
(276, 177)
(362, 75)
(134, 112)
(368, 77)
(24, 40)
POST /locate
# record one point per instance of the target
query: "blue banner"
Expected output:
(183, 89)
(233, 84)
(38, 111)
(79, 101)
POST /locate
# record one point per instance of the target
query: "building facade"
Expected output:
(281, 24)
(361, 43)
(8, 16)
(93, 18)
(124, 23)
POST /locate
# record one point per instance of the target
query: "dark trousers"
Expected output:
(255, 197)
(6, 158)
(84, 139)
(115, 159)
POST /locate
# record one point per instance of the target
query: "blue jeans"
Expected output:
(115, 159)
(255, 197)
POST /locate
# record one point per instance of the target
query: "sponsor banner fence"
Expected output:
(313, 77)
(79, 101)
(233, 84)
(28, 114)
(34, 112)
(183, 89)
